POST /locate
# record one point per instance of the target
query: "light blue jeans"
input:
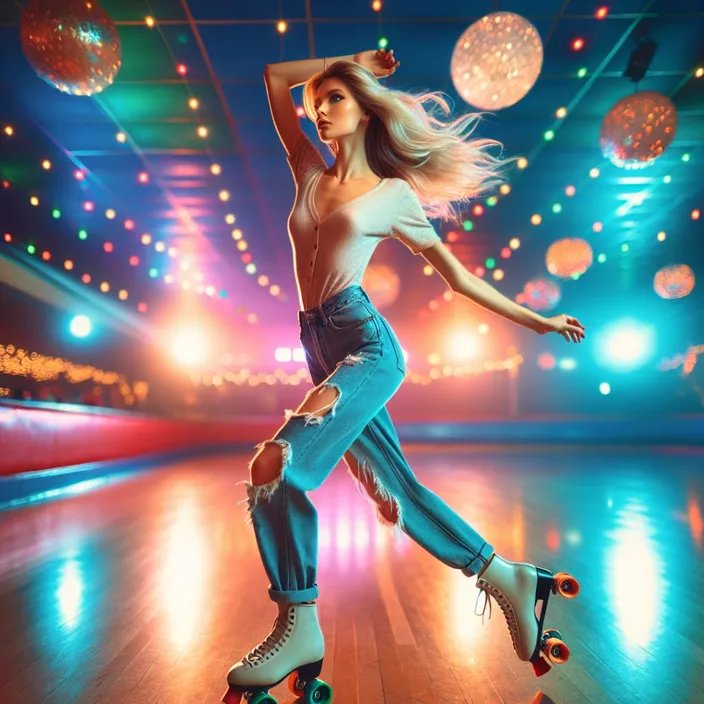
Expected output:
(349, 346)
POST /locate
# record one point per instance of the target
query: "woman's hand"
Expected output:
(570, 328)
(381, 63)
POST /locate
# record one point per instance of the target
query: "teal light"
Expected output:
(582, 72)
(556, 208)
(492, 201)
(82, 234)
(153, 273)
(490, 263)
(31, 249)
(56, 213)
(468, 225)
(549, 135)
(383, 42)
(686, 157)
(601, 258)
(223, 294)
(625, 247)
(667, 179)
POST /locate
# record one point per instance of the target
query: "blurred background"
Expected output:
(145, 264)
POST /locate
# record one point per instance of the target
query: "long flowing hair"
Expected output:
(404, 140)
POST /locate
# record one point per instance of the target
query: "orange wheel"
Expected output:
(556, 651)
(565, 584)
(292, 680)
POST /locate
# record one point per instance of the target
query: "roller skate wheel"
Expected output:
(318, 692)
(555, 650)
(565, 584)
(295, 686)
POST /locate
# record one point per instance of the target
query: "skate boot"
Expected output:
(522, 591)
(294, 649)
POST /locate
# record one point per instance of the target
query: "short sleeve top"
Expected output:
(333, 253)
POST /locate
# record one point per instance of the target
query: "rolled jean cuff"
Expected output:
(479, 561)
(294, 596)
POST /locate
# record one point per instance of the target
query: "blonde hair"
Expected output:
(403, 140)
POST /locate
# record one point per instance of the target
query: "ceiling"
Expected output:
(225, 46)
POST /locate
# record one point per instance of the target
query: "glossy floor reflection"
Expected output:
(149, 588)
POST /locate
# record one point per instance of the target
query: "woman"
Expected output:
(390, 156)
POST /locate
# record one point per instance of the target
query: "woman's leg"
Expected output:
(376, 459)
(299, 458)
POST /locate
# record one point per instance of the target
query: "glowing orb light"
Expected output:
(496, 61)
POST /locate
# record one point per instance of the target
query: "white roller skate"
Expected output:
(294, 649)
(522, 591)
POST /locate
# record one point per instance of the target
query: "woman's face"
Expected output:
(335, 105)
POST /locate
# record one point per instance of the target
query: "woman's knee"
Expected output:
(267, 464)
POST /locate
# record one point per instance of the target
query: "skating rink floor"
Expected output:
(148, 587)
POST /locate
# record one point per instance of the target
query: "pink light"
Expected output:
(134, 260)
(78, 175)
(479, 271)
(142, 307)
(246, 257)
(88, 206)
(602, 12)
(478, 210)
(108, 247)
(129, 224)
(181, 69)
(505, 253)
(143, 177)
(570, 190)
(578, 44)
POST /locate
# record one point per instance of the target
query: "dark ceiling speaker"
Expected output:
(640, 59)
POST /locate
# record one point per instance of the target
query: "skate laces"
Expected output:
(489, 589)
(279, 629)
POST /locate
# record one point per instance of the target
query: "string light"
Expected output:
(88, 206)
(560, 113)
(202, 132)
(146, 238)
(699, 72)
(181, 69)
(224, 195)
(696, 214)
(34, 200)
(594, 173)
(601, 13)
(281, 26)
(376, 6)
(570, 191)
(549, 135)
(46, 165)
(215, 169)
(9, 130)
(110, 214)
(108, 247)
(121, 137)
(582, 72)
(578, 44)
(86, 278)
(522, 163)
(129, 224)
(193, 103)
(149, 21)
(79, 175)
(143, 177)
(105, 287)
(68, 265)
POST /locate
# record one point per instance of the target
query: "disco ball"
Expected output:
(496, 61)
(638, 129)
(382, 284)
(541, 294)
(72, 44)
(674, 281)
(569, 257)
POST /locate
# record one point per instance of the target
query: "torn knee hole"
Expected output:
(317, 404)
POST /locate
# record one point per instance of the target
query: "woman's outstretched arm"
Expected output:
(467, 284)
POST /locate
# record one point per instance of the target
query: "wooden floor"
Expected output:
(149, 588)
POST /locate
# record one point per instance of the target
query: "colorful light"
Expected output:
(224, 195)
(8, 237)
(696, 214)
(578, 44)
(549, 135)
(514, 243)
(478, 210)
(661, 236)
(142, 307)
(79, 175)
(46, 165)
(56, 213)
(281, 26)
(193, 103)
(601, 13)
(68, 265)
(536, 219)
(376, 6)
(46, 256)
(149, 21)
(560, 113)
(181, 69)
(582, 72)
(143, 177)
(230, 219)
(110, 214)
(86, 278)
(522, 163)
(215, 169)
(129, 224)
(556, 208)
(134, 260)
(121, 137)
(202, 132)
(108, 246)
(594, 173)
(122, 295)
(82, 235)
(597, 227)
(153, 273)
(699, 72)
(570, 191)
(88, 206)
(146, 238)
(105, 287)
(31, 249)
(34, 200)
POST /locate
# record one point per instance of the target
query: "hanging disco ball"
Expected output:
(569, 257)
(382, 284)
(71, 44)
(541, 294)
(638, 129)
(496, 61)
(674, 281)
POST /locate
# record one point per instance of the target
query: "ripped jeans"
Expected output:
(349, 347)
